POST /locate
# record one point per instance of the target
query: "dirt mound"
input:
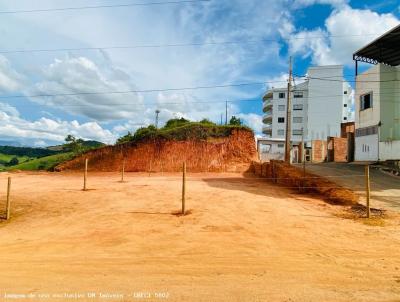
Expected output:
(293, 177)
(233, 153)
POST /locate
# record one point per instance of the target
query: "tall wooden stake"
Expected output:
(85, 175)
(303, 155)
(8, 205)
(123, 170)
(368, 189)
(288, 115)
(183, 188)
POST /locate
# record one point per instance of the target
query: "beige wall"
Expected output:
(371, 116)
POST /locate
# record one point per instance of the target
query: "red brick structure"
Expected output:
(319, 151)
(337, 149)
(347, 128)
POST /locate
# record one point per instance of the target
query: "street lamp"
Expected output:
(157, 113)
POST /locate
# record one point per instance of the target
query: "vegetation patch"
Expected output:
(182, 129)
(44, 163)
(25, 158)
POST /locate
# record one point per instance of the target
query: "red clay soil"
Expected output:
(234, 153)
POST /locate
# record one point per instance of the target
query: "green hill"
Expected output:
(26, 158)
(43, 163)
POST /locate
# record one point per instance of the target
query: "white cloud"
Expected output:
(10, 110)
(80, 74)
(10, 80)
(44, 129)
(334, 3)
(346, 30)
(252, 120)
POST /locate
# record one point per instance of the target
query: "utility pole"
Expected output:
(221, 119)
(288, 144)
(302, 144)
(157, 113)
(226, 113)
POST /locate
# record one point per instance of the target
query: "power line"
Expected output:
(100, 6)
(38, 50)
(345, 81)
(393, 93)
(141, 91)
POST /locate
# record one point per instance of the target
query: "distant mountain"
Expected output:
(26, 151)
(10, 143)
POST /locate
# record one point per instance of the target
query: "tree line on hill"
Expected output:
(181, 128)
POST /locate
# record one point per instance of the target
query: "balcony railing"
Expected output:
(267, 117)
(268, 96)
(267, 105)
(267, 130)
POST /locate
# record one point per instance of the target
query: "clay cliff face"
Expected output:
(229, 154)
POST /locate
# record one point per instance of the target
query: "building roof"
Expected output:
(385, 49)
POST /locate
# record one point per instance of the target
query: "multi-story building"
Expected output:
(319, 106)
(377, 100)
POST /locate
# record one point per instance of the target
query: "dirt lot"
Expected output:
(245, 240)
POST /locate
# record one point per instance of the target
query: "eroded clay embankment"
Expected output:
(231, 154)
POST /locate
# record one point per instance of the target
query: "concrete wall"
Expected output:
(389, 150)
(389, 103)
(325, 102)
(368, 82)
(366, 148)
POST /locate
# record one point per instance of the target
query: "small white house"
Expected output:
(377, 100)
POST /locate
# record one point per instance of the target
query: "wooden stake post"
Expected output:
(123, 171)
(367, 189)
(8, 205)
(183, 188)
(85, 175)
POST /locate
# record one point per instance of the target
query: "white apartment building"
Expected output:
(319, 106)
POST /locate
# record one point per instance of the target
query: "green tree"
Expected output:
(235, 121)
(73, 144)
(176, 122)
(206, 121)
(126, 138)
(14, 161)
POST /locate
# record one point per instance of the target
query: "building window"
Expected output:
(298, 107)
(372, 130)
(297, 119)
(345, 118)
(282, 95)
(281, 132)
(281, 107)
(345, 92)
(281, 119)
(281, 145)
(297, 132)
(366, 101)
(298, 94)
(345, 105)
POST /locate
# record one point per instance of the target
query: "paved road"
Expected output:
(385, 189)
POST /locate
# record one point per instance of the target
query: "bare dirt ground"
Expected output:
(244, 240)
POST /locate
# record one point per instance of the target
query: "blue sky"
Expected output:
(267, 32)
